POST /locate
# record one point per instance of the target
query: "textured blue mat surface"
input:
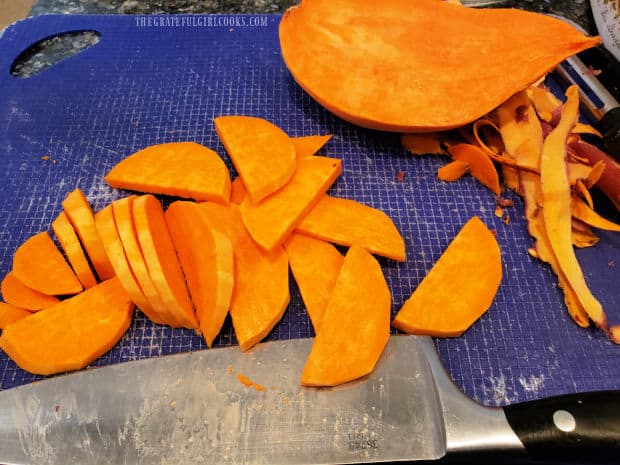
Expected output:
(145, 85)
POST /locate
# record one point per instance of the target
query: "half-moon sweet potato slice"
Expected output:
(206, 256)
(39, 265)
(16, 293)
(419, 66)
(161, 259)
(182, 169)
(347, 222)
(355, 326)
(458, 289)
(315, 265)
(71, 334)
(262, 153)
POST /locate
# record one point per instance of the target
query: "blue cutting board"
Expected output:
(144, 85)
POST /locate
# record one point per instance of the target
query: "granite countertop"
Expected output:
(576, 10)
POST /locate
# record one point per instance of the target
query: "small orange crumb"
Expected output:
(45, 157)
(499, 211)
(274, 388)
(506, 219)
(230, 369)
(400, 176)
(247, 382)
(592, 72)
(494, 232)
(285, 400)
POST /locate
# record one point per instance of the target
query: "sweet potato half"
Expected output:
(403, 65)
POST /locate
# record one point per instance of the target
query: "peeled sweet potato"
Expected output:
(80, 214)
(306, 146)
(355, 326)
(106, 227)
(182, 169)
(161, 259)
(39, 265)
(16, 293)
(261, 294)
(70, 243)
(206, 256)
(9, 314)
(72, 333)
(419, 66)
(346, 222)
(262, 153)
(125, 226)
(315, 265)
(272, 220)
(458, 289)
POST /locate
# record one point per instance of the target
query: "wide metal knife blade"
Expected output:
(194, 408)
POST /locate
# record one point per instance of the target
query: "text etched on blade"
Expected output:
(361, 442)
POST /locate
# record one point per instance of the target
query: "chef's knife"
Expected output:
(194, 408)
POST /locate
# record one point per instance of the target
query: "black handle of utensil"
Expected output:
(610, 128)
(575, 428)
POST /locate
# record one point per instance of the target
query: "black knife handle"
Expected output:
(575, 428)
(610, 128)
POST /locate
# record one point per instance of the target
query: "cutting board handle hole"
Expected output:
(47, 52)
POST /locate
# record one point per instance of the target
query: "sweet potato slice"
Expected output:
(480, 165)
(181, 169)
(161, 259)
(272, 220)
(262, 153)
(458, 289)
(206, 256)
(72, 333)
(80, 215)
(452, 171)
(16, 293)
(315, 265)
(73, 250)
(39, 265)
(306, 146)
(346, 58)
(347, 222)
(9, 314)
(556, 207)
(125, 226)
(106, 227)
(237, 191)
(261, 293)
(348, 346)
